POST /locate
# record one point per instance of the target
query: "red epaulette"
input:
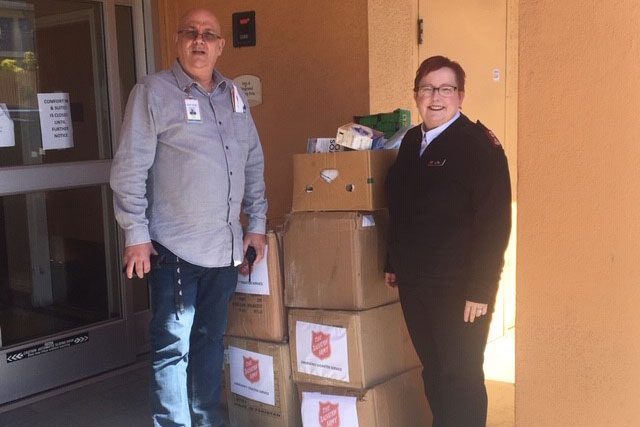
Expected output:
(490, 135)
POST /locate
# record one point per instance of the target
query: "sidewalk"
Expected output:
(121, 398)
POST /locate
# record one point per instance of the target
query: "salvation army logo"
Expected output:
(251, 369)
(329, 415)
(321, 344)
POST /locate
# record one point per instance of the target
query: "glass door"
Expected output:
(65, 309)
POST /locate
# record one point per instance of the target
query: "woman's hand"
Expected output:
(473, 310)
(390, 280)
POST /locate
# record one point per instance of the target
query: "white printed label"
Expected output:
(193, 110)
(322, 351)
(252, 375)
(55, 121)
(252, 88)
(368, 221)
(324, 410)
(259, 283)
(7, 133)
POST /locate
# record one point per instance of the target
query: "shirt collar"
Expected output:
(430, 135)
(185, 81)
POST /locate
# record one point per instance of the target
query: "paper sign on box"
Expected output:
(252, 375)
(321, 410)
(322, 350)
(259, 283)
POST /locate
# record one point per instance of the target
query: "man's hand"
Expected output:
(258, 241)
(390, 280)
(473, 310)
(136, 257)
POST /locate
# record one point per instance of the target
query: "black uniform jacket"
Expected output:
(450, 211)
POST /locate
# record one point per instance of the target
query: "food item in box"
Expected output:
(323, 145)
(357, 137)
(388, 123)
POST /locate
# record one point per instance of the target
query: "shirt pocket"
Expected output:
(241, 127)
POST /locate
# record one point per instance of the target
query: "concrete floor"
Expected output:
(120, 399)
(499, 369)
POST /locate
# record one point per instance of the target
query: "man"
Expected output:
(189, 157)
(450, 209)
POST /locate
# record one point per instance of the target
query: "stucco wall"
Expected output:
(314, 66)
(577, 360)
(393, 55)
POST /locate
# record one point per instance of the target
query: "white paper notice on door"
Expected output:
(55, 121)
(251, 375)
(322, 350)
(325, 410)
(7, 135)
(259, 283)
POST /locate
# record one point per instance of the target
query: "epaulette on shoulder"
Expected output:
(491, 137)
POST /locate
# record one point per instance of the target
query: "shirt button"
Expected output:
(226, 146)
(219, 123)
(230, 173)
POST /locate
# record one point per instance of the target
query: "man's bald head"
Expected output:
(199, 15)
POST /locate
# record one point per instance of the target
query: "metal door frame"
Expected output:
(112, 343)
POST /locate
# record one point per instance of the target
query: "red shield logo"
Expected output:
(329, 414)
(251, 369)
(321, 344)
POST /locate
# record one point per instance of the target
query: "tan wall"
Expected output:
(314, 66)
(393, 55)
(577, 359)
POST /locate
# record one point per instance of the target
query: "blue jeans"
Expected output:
(186, 344)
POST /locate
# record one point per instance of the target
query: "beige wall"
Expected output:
(577, 357)
(393, 55)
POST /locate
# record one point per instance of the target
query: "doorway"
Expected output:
(66, 312)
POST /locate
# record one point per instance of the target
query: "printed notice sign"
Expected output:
(259, 283)
(325, 410)
(252, 88)
(322, 350)
(7, 135)
(47, 347)
(55, 121)
(252, 375)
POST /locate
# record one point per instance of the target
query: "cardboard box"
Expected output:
(399, 401)
(350, 349)
(223, 387)
(335, 260)
(343, 181)
(260, 316)
(260, 388)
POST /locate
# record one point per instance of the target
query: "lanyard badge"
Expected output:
(193, 110)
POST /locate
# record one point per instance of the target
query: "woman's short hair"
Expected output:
(437, 62)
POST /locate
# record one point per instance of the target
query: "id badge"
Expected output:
(193, 110)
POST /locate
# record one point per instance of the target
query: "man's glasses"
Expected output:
(207, 36)
(445, 91)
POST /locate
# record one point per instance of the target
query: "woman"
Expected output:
(450, 206)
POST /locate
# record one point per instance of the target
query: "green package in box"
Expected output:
(388, 123)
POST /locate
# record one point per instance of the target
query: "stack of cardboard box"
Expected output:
(351, 354)
(258, 380)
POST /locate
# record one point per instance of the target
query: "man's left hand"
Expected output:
(258, 241)
(473, 310)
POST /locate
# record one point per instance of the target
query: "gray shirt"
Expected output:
(182, 182)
